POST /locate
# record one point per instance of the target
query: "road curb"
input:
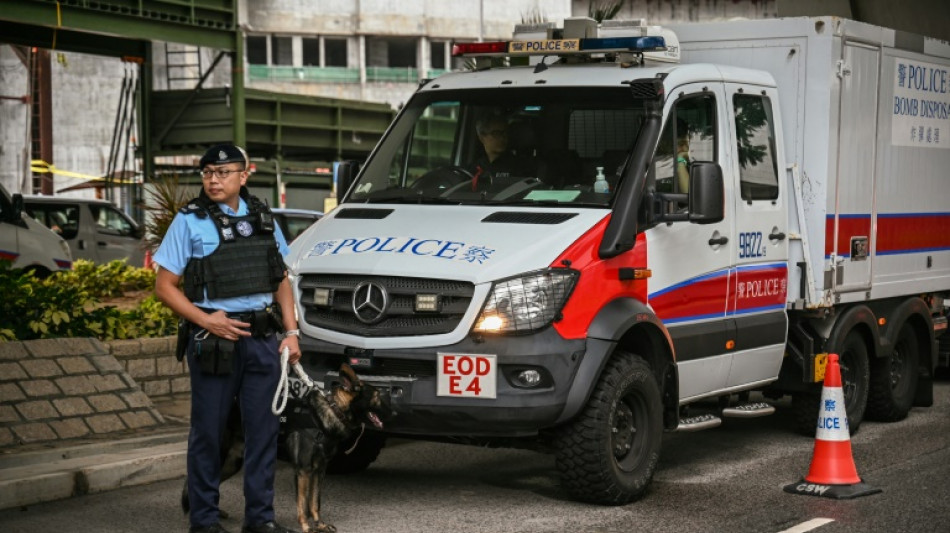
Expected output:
(50, 475)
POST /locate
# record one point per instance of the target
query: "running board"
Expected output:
(748, 410)
(698, 423)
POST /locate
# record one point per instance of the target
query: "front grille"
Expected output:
(400, 319)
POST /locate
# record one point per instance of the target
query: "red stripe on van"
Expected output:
(599, 282)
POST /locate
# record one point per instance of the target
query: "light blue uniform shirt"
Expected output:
(190, 236)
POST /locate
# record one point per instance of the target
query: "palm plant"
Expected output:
(604, 10)
(167, 197)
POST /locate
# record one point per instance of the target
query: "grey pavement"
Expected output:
(43, 473)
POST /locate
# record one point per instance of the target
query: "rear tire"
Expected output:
(608, 454)
(855, 377)
(894, 379)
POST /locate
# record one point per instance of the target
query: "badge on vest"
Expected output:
(227, 234)
(245, 228)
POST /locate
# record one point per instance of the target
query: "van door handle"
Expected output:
(102, 244)
(718, 241)
(777, 236)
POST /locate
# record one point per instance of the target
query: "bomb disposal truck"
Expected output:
(776, 191)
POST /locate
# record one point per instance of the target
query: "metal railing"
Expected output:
(337, 74)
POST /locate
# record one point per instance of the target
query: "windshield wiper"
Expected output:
(547, 203)
(405, 196)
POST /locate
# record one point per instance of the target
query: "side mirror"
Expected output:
(17, 207)
(344, 174)
(706, 194)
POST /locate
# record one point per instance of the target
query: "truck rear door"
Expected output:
(850, 219)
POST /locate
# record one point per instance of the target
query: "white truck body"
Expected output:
(762, 212)
(854, 100)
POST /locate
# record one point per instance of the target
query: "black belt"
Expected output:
(263, 321)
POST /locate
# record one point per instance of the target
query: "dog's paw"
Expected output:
(322, 527)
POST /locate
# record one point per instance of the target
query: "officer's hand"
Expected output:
(293, 345)
(219, 324)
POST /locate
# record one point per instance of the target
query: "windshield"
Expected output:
(538, 146)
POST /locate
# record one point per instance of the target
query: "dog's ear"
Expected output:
(351, 382)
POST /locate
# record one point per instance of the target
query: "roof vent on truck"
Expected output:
(580, 38)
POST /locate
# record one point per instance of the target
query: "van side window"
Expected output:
(62, 219)
(755, 137)
(689, 135)
(110, 221)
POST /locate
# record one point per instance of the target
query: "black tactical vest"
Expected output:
(245, 262)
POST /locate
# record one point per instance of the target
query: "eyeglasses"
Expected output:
(220, 173)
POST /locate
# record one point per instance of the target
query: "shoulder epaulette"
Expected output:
(194, 207)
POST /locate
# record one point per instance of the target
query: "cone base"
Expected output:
(837, 492)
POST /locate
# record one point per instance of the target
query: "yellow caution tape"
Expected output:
(39, 166)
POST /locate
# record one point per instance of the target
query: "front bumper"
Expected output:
(409, 378)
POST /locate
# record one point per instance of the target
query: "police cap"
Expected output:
(221, 154)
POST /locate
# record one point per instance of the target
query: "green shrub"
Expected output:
(67, 304)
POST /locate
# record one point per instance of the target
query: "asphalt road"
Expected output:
(724, 479)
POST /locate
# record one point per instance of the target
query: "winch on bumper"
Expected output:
(535, 378)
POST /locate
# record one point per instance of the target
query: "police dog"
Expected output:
(339, 417)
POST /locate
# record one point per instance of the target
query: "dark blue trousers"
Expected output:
(253, 381)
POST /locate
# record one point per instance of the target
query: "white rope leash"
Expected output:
(283, 383)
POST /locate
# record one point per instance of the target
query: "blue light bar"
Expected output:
(633, 44)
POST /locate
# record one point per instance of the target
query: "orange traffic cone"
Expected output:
(147, 262)
(832, 473)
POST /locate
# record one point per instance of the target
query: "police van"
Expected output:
(26, 243)
(775, 191)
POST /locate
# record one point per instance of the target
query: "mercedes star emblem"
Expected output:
(370, 301)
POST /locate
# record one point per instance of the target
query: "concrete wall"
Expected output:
(14, 132)
(85, 98)
(665, 11)
(58, 389)
(455, 19)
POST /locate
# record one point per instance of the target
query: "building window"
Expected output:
(281, 51)
(257, 49)
(335, 52)
(311, 51)
(437, 54)
(402, 52)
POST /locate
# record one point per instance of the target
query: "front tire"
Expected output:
(608, 454)
(894, 379)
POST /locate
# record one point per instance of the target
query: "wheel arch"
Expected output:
(629, 325)
(859, 318)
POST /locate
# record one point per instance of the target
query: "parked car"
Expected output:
(94, 229)
(28, 244)
(293, 222)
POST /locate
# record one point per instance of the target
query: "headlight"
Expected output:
(526, 303)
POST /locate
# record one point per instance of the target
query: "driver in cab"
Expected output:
(497, 162)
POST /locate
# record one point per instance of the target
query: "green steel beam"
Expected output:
(70, 41)
(237, 84)
(200, 23)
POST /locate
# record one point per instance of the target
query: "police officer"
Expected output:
(227, 251)
(491, 126)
